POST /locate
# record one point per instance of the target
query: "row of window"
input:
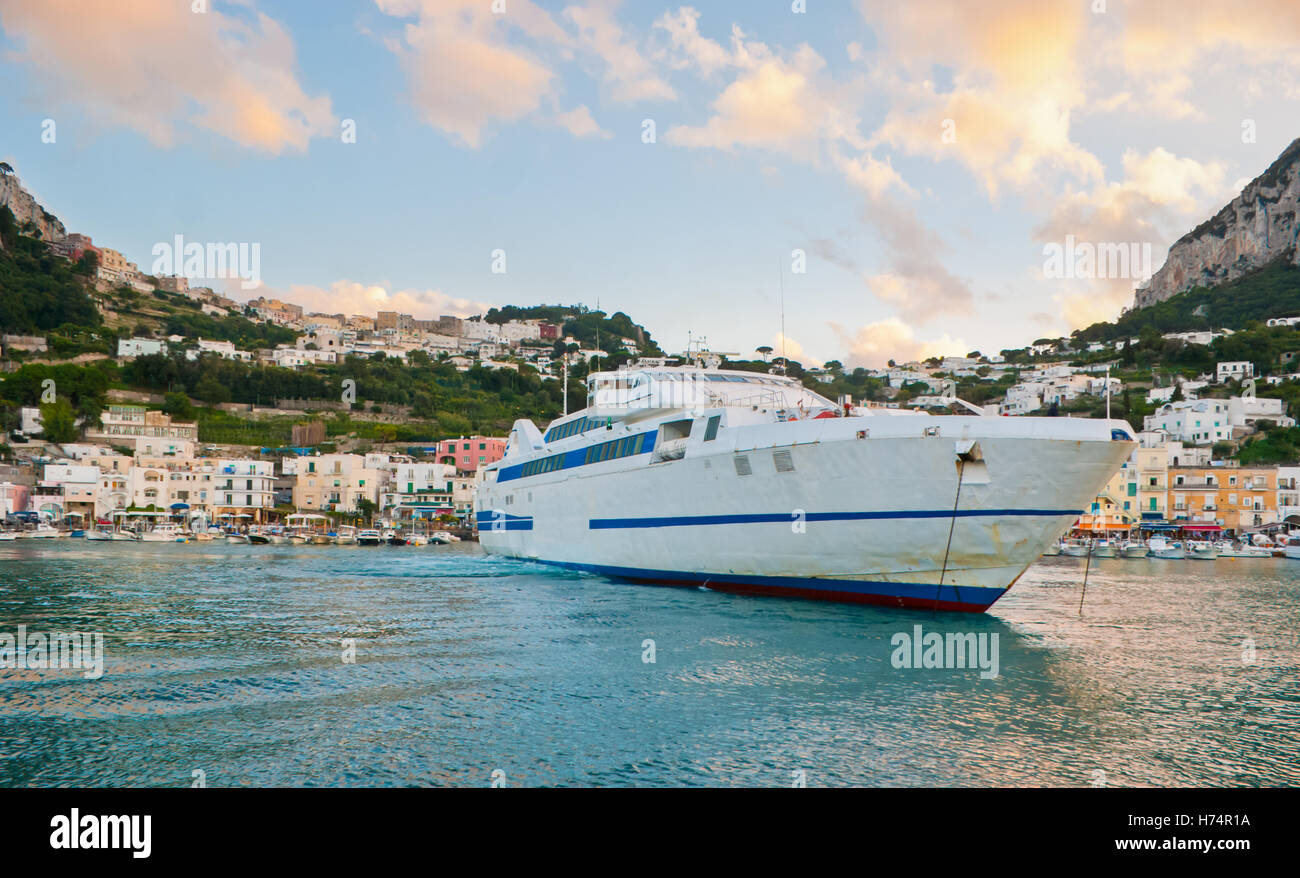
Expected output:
(572, 428)
(611, 450)
(617, 448)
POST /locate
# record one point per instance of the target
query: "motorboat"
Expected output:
(369, 537)
(164, 532)
(1201, 550)
(394, 537)
(1134, 549)
(441, 538)
(1105, 549)
(346, 535)
(1076, 548)
(1171, 550)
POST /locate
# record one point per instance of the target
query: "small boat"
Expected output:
(77, 532)
(1105, 549)
(125, 536)
(346, 536)
(369, 538)
(1201, 550)
(442, 538)
(417, 540)
(236, 537)
(257, 538)
(7, 535)
(1134, 549)
(164, 533)
(42, 532)
(1171, 550)
(98, 535)
(321, 538)
(1075, 548)
(1292, 550)
(394, 537)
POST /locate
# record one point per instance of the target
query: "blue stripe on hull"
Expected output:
(895, 594)
(787, 517)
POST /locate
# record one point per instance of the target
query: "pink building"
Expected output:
(13, 498)
(467, 454)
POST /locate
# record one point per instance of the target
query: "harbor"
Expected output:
(226, 658)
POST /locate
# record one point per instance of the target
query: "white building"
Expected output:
(1193, 422)
(1288, 493)
(140, 347)
(419, 490)
(1238, 370)
(1246, 411)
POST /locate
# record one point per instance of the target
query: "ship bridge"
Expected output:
(669, 388)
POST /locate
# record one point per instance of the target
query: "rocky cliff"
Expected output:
(26, 209)
(1254, 229)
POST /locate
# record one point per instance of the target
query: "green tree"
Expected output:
(59, 421)
(212, 391)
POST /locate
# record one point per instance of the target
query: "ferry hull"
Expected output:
(868, 522)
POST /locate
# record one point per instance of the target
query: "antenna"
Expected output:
(780, 270)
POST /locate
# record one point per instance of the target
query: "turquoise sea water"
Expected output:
(229, 660)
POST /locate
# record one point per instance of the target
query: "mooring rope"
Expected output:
(1086, 567)
(952, 524)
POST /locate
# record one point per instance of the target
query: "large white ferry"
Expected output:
(751, 483)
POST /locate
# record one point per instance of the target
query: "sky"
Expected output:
(889, 175)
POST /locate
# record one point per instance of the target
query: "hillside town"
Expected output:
(136, 463)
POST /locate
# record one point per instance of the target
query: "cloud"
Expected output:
(156, 67)
(352, 297)
(1015, 82)
(1160, 197)
(579, 123)
(628, 74)
(1163, 43)
(785, 104)
(688, 47)
(875, 344)
(461, 71)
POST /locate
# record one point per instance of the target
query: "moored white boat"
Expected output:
(1076, 548)
(369, 537)
(1171, 550)
(1134, 549)
(164, 533)
(751, 483)
(1105, 549)
(441, 538)
(1201, 550)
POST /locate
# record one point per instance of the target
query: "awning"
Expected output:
(1208, 528)
(180, 506)
(1158, 525)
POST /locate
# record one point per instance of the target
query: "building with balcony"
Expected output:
(1232, 497)
(336, 482)
(467, 454)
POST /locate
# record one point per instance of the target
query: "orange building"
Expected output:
(1234, 498)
